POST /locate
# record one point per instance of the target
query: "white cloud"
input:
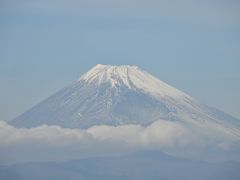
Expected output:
(56, 143)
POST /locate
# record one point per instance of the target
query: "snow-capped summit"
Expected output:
(115, 95)
(131, 77)
(116, 75)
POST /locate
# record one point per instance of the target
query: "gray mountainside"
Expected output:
(117, 95)
(139, 166)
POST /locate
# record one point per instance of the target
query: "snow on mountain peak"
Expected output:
(116, 95)
(131, 77)
(107, 73)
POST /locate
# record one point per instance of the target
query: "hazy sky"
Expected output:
(46, 44)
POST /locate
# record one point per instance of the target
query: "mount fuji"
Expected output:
(119, 95)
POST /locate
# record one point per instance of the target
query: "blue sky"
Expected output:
(46, 44)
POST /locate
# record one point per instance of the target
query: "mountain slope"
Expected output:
(139, 166)
(115, 95)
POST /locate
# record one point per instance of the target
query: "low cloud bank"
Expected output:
(53, 143)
